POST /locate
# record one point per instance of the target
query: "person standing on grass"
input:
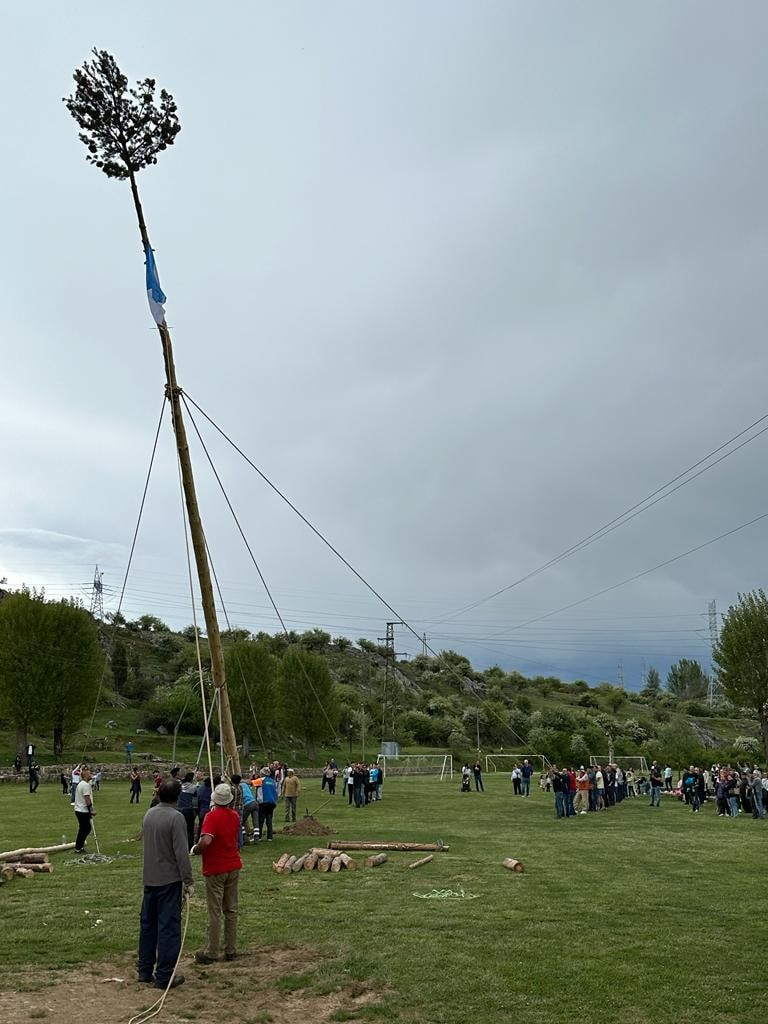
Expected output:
(656, 780)
(135, 785)
(756, 792)
(582, 792)
(667, 778)
(83, 808)
(167, 878)
(599, 789)
(75, 781)
(477, 771)
(221, 869)
(291, 791)
(129, 752)
(267, 800)
(515, 777)
(526, 772)
(34, 776)
(64, 784)
(204, 793)
(186, 805)
(250, 813)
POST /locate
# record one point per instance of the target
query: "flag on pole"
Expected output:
(155, 294)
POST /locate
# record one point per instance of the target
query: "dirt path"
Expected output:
(242, 992)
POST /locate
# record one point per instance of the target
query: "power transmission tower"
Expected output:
(713, 638)
(389, 671)
(643, 671)
(620, 673)
(424, 644)
(97, 595)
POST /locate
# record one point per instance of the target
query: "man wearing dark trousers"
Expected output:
(83, 804)
(167, 878)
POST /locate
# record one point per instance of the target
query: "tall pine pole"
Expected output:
(124, 130)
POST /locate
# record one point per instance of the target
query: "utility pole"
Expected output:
(424, 644)
(713, 638)
(477, 725)
(643, 671)
(97, 595)
(362, 729)
(124, 132)
(620, 673)
(389, 669)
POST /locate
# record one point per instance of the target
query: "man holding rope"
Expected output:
(167, 875)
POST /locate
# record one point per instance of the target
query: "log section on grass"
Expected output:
(424, 860)
(33, 868)
(378, 858)
(280, 864)
(349, 864)
(324, 864)
(513, 865)
(24, 873)
(288, 866)
(416, 847)
(311, 860)
(298, 864)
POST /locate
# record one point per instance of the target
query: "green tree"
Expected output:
(687, 680)
(315, 639)
(741, 656)
(652, 686)
(251, 671)
(23, 662)
(308, 703)
(119, 666)
(579, 748)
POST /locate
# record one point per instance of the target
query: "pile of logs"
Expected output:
(322, 860)
(29, 861)
(28, 865)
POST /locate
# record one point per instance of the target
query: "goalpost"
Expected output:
(417, 764)
(639, 764)
(506, 762)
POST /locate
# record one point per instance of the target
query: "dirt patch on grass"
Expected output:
(267, 986)
(308, 826)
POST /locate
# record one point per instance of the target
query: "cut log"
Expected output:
(16, 855)
(324, 864)
(298, 864)
(34, 868)
(310, 860)
(288, 866)
(424, 860)
(513, 865)
(337, 864)
(24, 873)
(349, 864)
(280, 864)
(375, 860)
(426, 847)
(7, 873)
(33, 858)
(323, 851)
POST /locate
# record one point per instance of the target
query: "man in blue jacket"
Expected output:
(267, 800)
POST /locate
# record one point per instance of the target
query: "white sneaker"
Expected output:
(582, 812)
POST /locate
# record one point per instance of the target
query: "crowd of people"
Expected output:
(597, 788)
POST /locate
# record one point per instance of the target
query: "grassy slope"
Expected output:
(618, 918)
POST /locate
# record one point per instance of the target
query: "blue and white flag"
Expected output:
(155, 294)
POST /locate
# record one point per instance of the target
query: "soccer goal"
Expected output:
(506, 762)
(417, 764)
(638, 764)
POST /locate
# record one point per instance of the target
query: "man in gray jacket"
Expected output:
(167, 877)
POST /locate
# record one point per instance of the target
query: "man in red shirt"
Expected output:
(218, 845)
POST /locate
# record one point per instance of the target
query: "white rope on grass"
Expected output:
(156, 1007)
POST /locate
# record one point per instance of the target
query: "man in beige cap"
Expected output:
(218, 845)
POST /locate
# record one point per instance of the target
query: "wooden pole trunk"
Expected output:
(33, 858)
(375, 860)
(424, 860)
(337, 864)
(426, 847)
(7, 873)
(298, 864)
(324, 864)
(24, 872)
(18, 854)
(288, 866)
(310, 861)
(513, 865)
(349, 864)
(228, 739)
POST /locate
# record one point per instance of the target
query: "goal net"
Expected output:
(638, 764)
(417, 764)
(506, 762)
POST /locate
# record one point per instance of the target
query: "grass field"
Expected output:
(624, 917)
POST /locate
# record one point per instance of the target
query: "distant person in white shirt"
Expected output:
(83, 808)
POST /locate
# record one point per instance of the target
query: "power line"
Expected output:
(627, 515)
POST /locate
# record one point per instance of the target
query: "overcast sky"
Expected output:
(465, 279)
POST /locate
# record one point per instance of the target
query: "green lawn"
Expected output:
(627, 917)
